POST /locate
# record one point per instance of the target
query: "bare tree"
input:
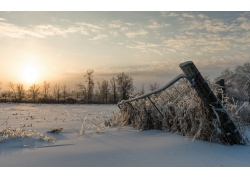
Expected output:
(90, 84)
(20, 92)
(113, 89)
(76, 93)
(65, 91)
(98, 91)
(12, 88)
(154, 86)
(245, 68)
(6, 95)
(105, 90)
(34, 91)
(124, 85)
(82, 91)
(242, 76)
(236, 84)
(57, 92)
(229, 77)
(45, 89)
(141, 91)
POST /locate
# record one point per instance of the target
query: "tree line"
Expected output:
(113, 90)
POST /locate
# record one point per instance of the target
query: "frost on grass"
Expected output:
(20, 133)
(183, 113)
(91, 126)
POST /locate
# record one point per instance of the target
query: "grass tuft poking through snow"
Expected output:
(56, 130)
(20, 133)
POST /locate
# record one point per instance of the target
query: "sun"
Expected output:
(30, 73)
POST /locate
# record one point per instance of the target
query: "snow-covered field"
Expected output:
(103, 147)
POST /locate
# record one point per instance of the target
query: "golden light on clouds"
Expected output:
(59, 47)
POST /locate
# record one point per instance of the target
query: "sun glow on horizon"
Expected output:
(30, 73)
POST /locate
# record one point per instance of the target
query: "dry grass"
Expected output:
(183, 113)
(20, 133)
(91, 126)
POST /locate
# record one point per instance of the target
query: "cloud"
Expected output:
(202, 16)
(242, 19)
(124, 28)
(188, 15)
(199, 42)
(156, 25)
(2, 19)
(130, 24)
(39, 31)
(91, 27)
(49, 30)
(114, 33)
(146, 47)
(46, 30)
(99, 36)
(245, 25)
(152, 68)
(163, 13)
(132, 34)
(210, 25)
(171, 14)
(13, 31)
(113, 25)
(197, 35)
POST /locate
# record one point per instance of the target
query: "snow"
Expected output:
(125, 147)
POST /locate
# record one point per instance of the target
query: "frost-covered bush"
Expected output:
(182, 111)
(237, 86)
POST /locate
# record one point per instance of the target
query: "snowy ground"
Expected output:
(124, 147)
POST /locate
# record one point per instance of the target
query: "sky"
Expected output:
(60, 46)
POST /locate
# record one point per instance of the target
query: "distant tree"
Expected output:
(34, 92)
(98, 95)
(57, 92)
(65, 91)
(20, 92)
(82, 90)
(141, 91)
(113, 89)
(45, 90)
(105, 90)
(76, 93)
(90, 84)
(5, 96)
(154, 86)
(229, 77)
(124, 85)
(12, 88)
(245, 68)
(226, 74)
(234, 83)
(242, 75)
